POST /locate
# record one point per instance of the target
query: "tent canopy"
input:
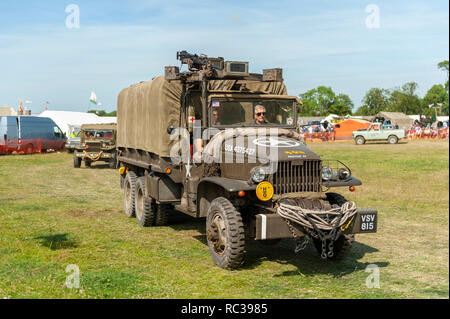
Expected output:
(67, 121)
(345, 128)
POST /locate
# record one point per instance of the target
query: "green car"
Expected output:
(378, 132)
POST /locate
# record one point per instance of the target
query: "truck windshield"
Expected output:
(236, 113)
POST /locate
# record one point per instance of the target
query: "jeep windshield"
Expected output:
(99, 134)
(236, 112)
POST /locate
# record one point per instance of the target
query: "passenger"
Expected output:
(215, 118)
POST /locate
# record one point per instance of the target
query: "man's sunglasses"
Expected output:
(260, 113)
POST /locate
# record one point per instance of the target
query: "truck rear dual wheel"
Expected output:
(129, 194)
(148, 212)
(225, 234)
(145, 209)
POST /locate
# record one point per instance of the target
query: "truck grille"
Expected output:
(93, 147)
(290, 178)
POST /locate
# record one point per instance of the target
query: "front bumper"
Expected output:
(273, 226)
(94, 155)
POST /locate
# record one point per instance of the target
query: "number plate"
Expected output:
(368, 222)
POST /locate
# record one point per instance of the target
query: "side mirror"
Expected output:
(170, 129)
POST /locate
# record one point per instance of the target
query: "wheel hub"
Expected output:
(216, 234)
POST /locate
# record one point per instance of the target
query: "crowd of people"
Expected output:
(428, 131)
(318, 131)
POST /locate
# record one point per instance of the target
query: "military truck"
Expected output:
(219, 143)
(97, 143)
(378, 132)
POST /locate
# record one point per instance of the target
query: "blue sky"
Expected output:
(123, 42)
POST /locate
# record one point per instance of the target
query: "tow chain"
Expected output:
(300, 242)
(94, 159)
(315, 227)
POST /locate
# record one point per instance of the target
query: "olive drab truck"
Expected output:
(220, 143)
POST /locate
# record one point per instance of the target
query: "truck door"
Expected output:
(373, 132)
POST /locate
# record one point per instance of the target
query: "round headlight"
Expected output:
(258, 175)
(343, 173)
(327, 173)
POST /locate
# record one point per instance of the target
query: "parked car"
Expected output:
(29, 134)
(73, 142)
(378, 132)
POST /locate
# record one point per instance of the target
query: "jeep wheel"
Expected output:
(129, 194)
(343, 245)
(392, 139)
(145, 209)
(225, 234)
(76, 160)
(359, 140)
(113, 161)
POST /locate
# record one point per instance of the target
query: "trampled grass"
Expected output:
(52, 215)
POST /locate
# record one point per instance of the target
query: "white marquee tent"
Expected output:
(69, 121)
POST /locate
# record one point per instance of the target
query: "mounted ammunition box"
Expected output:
(273, 75)
(172, 72)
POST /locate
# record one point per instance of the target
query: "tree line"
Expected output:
(323, 101)
(103, 113)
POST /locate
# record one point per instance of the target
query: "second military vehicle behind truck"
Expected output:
(97, 143)
(252, 177)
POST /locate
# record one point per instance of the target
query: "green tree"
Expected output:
(342, 105)
(103, 113)
(405, 100)
(375, 100)
(323, 101)
(443, 65)
(436, 94)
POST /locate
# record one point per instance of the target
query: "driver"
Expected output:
(260, 115)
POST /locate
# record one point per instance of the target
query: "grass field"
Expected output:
(52, 215)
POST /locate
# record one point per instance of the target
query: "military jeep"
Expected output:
(220, 143)
(97, 143)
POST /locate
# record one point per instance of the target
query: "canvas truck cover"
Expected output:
(144, 111)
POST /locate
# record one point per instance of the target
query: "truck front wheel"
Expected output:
(359, 140)
(225, 234)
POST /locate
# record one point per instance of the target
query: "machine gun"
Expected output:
(198, 62)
